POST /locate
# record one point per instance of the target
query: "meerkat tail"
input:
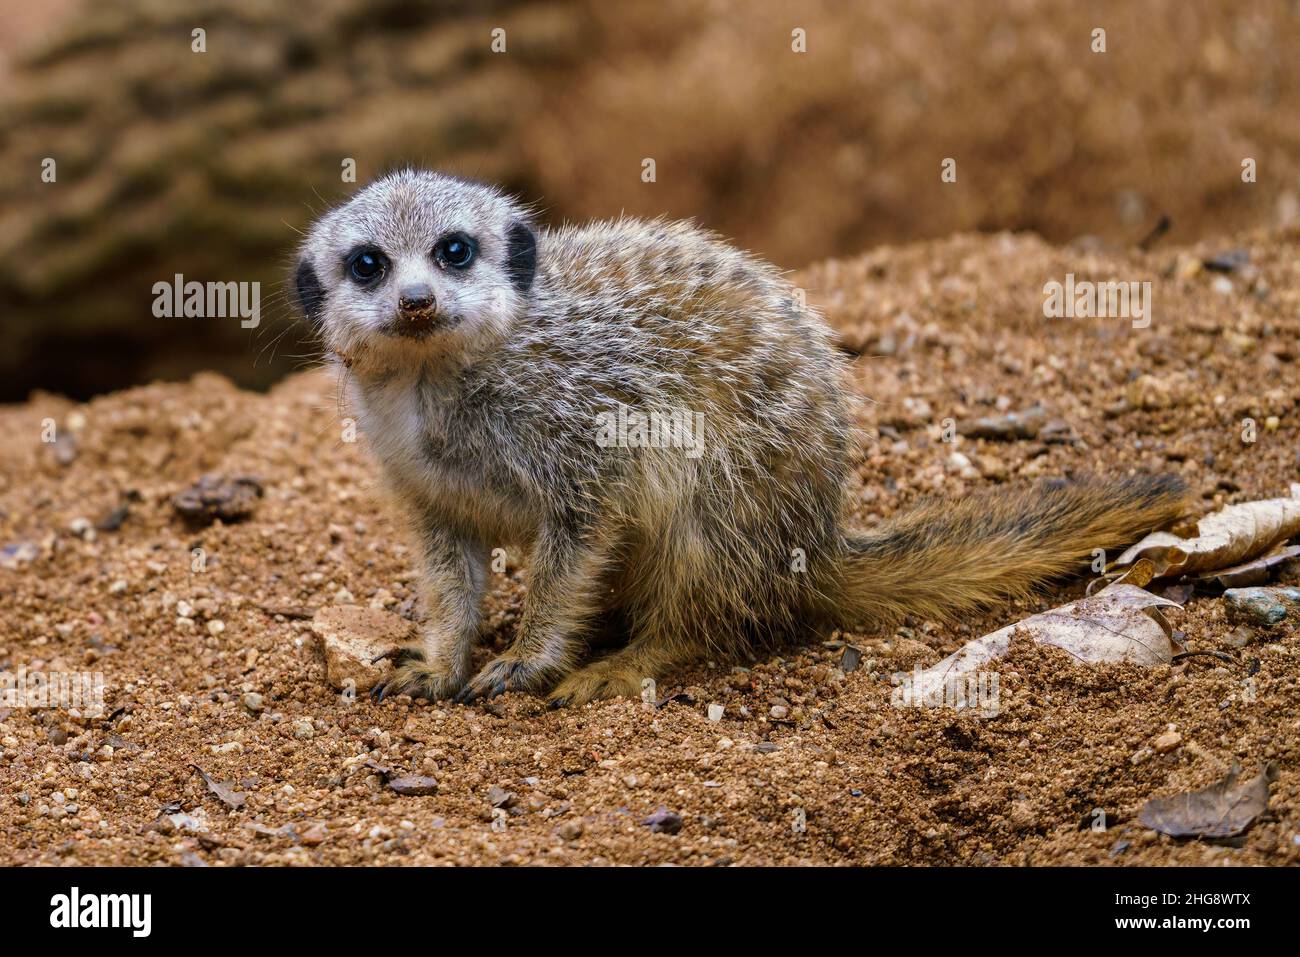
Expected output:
(945, 558)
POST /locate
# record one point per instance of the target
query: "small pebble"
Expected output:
(1167, 742)
(1262, 606)
(414, 785)
(1240, 636)
(664, 821)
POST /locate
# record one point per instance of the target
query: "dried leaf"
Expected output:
(227, 795)
(1140, 573)
(1122, 622)
(180, 821)
(1232, 536)
(1224, 809)
(1255, 572)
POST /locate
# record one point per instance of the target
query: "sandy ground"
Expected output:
(207, 664)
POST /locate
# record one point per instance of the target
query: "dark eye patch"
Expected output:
(311, 295)
(521, 256)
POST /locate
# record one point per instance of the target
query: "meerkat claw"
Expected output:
(416, 678)
(399, 657)
(496, 678)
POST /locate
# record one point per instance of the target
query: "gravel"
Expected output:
(252, 705)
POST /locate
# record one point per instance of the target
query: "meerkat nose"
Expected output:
(415, 299)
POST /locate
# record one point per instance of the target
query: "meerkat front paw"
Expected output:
(413, 676)
(506, 673)
(594, 682)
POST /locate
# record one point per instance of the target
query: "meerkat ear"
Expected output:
(311, 295)
(521, 256)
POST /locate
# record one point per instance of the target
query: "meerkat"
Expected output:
(486, 358)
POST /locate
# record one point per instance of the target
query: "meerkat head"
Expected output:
(417, 265)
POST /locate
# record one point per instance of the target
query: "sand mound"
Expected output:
(204, 640)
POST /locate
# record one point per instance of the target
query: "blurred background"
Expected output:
(209, 164)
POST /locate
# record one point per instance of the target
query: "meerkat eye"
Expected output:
(456, 250)
(367, 266)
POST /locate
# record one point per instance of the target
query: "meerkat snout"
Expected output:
(415, 299)
(416, 310)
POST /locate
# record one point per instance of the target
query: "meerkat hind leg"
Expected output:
(617, 674)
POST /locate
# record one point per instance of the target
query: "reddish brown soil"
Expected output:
(948, 329)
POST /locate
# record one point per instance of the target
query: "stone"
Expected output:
(1167, 742)
(1005, 428)
(413, 785)
(663, 821)
(1263, 606)
(215, 497)
(352, 637)
(991, 467)
(1239, 637)
(314, 835)
(1150, 393)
